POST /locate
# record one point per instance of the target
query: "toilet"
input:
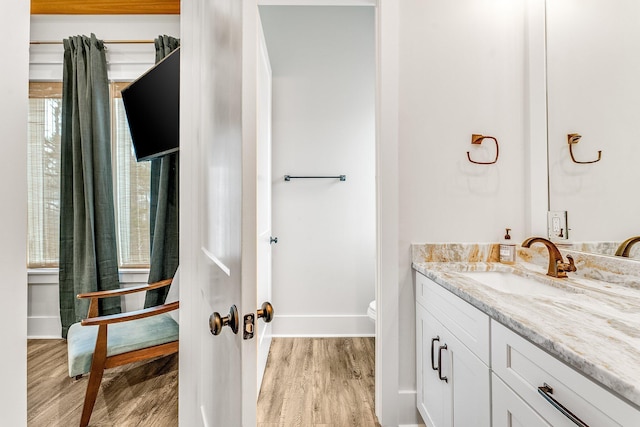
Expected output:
(371, 311)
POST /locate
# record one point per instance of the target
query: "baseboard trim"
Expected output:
(44, 327)
(294, 325)
(324, 336)
(407, 409)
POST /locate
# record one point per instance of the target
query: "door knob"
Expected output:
(266, 312)
(216, 323)
(273, 240)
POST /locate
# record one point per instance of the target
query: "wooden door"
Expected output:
(219, 243)
(213, 198)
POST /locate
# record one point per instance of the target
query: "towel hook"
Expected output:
(477, 139)
(574, 138)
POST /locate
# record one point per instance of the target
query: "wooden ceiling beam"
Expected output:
(105, 7)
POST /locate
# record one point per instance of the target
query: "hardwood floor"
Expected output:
(309, 382)
(139, 394)
(318, 382)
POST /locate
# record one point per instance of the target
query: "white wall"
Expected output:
(43, 313)
(125, 62)
(323, 63)
(462, 71)
(14, 31)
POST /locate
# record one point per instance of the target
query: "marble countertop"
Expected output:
(593, 327)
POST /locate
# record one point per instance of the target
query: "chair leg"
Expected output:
(95, 376)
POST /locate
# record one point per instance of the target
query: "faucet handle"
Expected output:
(563, 267)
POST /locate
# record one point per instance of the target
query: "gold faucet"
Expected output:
(625, 247)
(557, 267)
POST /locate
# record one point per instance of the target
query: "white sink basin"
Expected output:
(511, 283)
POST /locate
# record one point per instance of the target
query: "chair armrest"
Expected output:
(132, 315)
(125, 291)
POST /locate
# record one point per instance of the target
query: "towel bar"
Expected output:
(290, 177)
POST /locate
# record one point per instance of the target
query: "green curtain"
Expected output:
(164, 206)
(88, 251)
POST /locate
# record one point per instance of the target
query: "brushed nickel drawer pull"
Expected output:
(442, 347)
(433, 340)
(546, 391)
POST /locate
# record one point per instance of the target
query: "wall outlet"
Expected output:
(557, 224)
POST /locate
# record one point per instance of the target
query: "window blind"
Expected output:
(131, 180)
(43, 169)
(131, 186)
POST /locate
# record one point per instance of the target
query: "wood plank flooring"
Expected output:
(326, 382)
(139, 394)
(310, 382)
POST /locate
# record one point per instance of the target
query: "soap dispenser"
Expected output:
(507, 249)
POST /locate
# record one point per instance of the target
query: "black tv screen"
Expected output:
(152, 105)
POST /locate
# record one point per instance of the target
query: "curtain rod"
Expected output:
(104, 41)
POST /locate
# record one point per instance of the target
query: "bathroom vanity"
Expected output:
(505, 345)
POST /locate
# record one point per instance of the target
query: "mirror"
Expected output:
(593, 90)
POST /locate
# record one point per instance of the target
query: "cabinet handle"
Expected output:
(546, 391)
(442, 347)
(433, 340)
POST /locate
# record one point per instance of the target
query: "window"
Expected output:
(131, 189)
(131, 180)
(43, 169)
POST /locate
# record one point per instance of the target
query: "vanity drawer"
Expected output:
(469, 325)
(508, 410)
(524, 367)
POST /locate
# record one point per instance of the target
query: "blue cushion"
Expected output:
(121, 338)
(174, 295)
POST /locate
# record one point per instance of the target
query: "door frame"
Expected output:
(188, 412)
(387, 385)
(264, 331)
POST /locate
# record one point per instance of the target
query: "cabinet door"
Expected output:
(464, 398)
(433, 394)
(467, 323)
(511, 411)
(469, 379)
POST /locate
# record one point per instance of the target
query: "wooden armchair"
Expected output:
(100, 342)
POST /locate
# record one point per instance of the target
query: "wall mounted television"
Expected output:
(152, 105)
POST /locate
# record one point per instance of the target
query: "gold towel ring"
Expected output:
(574, 138)
(477, 139)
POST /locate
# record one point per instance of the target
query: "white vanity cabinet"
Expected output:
(453, 376)
(529, 372)
(495, 377)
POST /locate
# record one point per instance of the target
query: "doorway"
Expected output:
(323, 67)
(323, 139)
